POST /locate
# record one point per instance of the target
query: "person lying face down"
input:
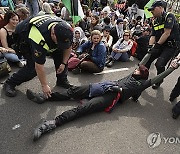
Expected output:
(102, 96)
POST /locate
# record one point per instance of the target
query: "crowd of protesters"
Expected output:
(107, 34)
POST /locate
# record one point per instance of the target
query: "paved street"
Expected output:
(124, 131)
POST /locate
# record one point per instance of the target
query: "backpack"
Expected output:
(5, 69)
(4, 3)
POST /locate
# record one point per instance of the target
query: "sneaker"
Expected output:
(65, 84)
(37, 98)
(110, 64)
(22, 63)
(76, 71)
(45, 127)
(10, 91)
(108, 61)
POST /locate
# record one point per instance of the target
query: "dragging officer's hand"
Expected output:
(175, 63)
(154, 49)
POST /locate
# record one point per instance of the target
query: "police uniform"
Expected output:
(41, 43)
(168, 48)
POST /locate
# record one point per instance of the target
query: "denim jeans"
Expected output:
(33, 6)
(120, 56)
(11, 57)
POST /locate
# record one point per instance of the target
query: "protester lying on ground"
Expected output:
(120, 50)
(93, 54)
(101, 96)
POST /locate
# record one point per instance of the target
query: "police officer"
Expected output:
(47, 34)
(165, 36)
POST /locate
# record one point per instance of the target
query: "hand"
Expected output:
(46, 90)
(60, 69)
(175, 63)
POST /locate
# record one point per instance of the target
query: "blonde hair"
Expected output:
(46, 8)
(95, 32)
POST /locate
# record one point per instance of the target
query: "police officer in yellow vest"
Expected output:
(47, 34)
(165, 35)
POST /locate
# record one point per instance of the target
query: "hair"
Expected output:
(97, 19)
(46, 8)
(95, 32)
(8, 15)
(107, 20)
(24, 11)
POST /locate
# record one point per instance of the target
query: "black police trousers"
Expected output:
(162, 56)
(28, 72)
(176, 90)
(95, 104)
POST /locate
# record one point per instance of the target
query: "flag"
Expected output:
(75, 9)
(148, 5)
(11, 5)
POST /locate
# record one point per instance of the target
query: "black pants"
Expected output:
(28, 72)
(95, 104)
(163, 56)
(176, 90)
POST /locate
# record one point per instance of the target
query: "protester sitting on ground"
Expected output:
(23, 13)
(120, 50)
(142, 43)
(6, 37)
(78, 38)
(117, 31)
(106, 22)
(94, 25)
(46, 9)
(95, 53)
(103, 96)
(107, 38)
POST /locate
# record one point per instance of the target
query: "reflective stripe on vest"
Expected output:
(37, 37)
(158, 27)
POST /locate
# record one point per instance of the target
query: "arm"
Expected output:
(152, 40)
(66, 56)
(42, 78)
(127, 48)
(83, 47)
(164, 36)
(3, 38)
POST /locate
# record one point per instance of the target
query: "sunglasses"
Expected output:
(125, 35)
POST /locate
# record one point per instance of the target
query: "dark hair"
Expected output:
(107, 20)
(97, 19)
(8, 15)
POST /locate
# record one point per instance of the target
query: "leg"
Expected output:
(176, 111)
(24, 74)
(94, 105)
(124, 57)
(73, 92)
(90, 67)
(61, 78)
(162, 61)
(176, 91)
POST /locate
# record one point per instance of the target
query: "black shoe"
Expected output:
(110, 64)
(45, 127)
(171, 99)
(65, 84)
(37, 98)
(10, 91)
(175, 116)
(108, 61)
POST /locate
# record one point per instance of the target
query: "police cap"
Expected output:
(157, 4)
(64, 35)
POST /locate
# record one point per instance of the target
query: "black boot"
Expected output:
(37, 98)
(64, 83)
(176, 111)
(10, 91)
(45, 127)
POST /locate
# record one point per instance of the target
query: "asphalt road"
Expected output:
(124, 131)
